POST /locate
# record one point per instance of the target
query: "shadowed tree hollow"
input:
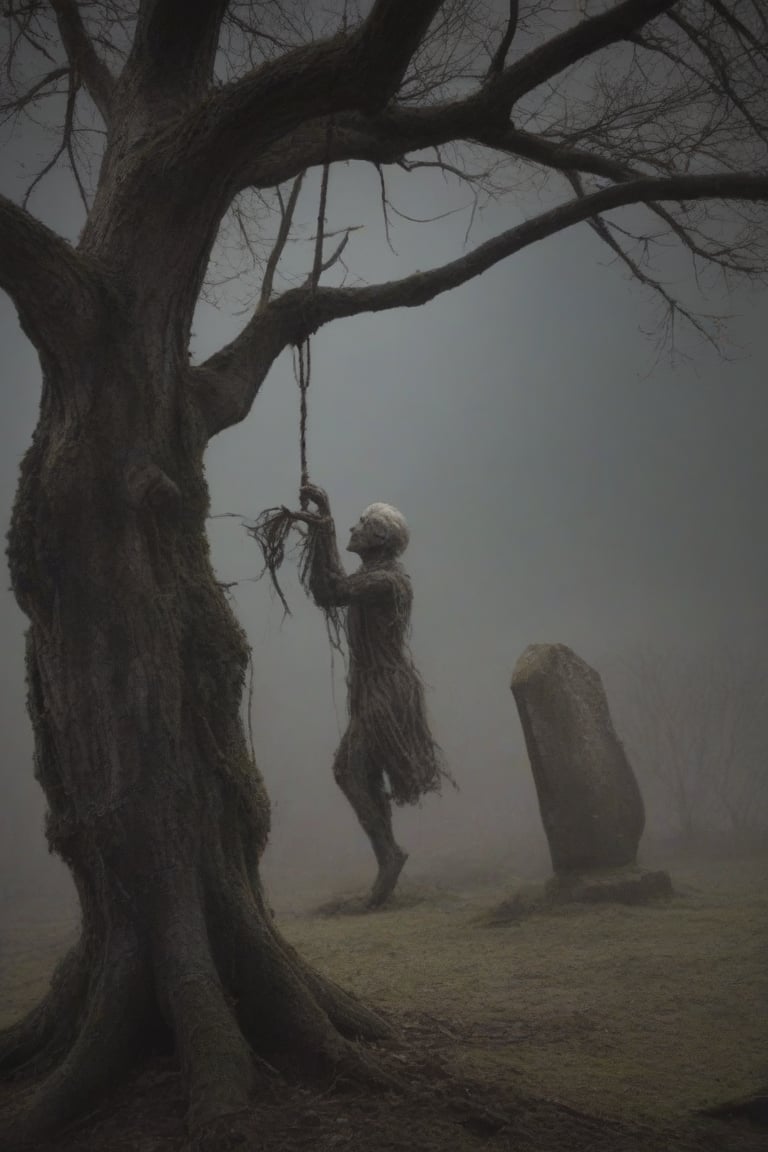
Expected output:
(638, 118)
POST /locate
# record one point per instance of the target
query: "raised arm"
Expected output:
(326, 578)
(329, 584)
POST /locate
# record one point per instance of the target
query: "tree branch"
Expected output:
(389, 38)
(228, 383)
(389, 137)
(603, 231)
(584, 39)
(286, 220)
(174, 49)
(481, 117)
(65, 145)
(53, 287)
(311, 311)
(499, 58)
(361, 69)
(82, 55)
(317, 263)
(15, 104)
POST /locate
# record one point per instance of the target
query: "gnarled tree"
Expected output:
(135, 663)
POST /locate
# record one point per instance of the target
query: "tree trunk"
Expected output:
(135, 670)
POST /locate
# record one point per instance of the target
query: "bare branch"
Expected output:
(385, 209)
(65, 145)
(584, 39)
(82, 55)
(54, 288)
(227, 384)
(744, 32)
(229, 381)
(727, 256)
(286, 220)
(673, 306)
(18, 103)
(69, 144)
(174, 48)
(334, 303)
(644, 93)
(361, 69)
(389, 137)
(500, 55)
(317, 263)
(335, 256)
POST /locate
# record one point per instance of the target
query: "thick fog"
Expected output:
(562, 480)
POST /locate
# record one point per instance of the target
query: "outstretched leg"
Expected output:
(364, 789)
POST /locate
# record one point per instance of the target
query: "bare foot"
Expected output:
(387, 878)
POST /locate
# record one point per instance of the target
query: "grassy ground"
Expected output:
(645, 1012)
(642, 1014)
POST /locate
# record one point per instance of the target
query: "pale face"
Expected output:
(381, 528)
(366, 536)
(353, 544)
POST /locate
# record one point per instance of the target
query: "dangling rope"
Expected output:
(302, 366)
(304, 350)
(273, 526)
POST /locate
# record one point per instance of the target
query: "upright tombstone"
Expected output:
(590, 802)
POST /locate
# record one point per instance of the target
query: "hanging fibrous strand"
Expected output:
(272, 528)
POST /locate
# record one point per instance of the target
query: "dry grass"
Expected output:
(643, 1014)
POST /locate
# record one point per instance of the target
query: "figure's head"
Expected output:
(381, 528)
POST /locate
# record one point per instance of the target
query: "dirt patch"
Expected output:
(616, 886)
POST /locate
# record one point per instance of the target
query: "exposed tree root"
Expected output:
(33, 1044)
(277, 1012)
(352, 1019)
(107, 1043)
(292, 1016)
(215, 1059)
(219, 979)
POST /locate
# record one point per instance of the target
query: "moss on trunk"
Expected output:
(135, 669)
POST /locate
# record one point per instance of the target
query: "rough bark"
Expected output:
(154, 801)
(83, 57)
(135, 670)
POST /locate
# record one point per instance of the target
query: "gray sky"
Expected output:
(561, 483)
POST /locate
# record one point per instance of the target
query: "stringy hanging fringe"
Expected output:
(271, 531)
(302, 369)
(273, 526)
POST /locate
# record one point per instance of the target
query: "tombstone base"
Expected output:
(609, 886)
(606, 886)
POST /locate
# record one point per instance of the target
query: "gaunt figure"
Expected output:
(387, 752)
